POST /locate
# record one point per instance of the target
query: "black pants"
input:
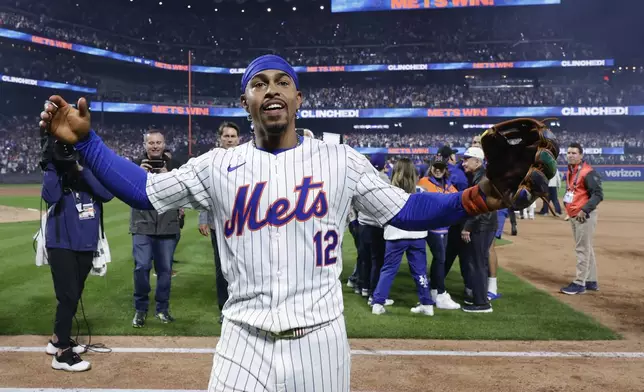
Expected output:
(456, 247)
(69, 269)
(478, 256)
(222, 284)
(554, 198)
(372, 244)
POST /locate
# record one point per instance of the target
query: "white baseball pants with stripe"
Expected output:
(252, 361)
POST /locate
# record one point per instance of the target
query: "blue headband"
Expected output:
(268, 61)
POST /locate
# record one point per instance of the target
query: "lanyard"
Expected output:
(574, 184)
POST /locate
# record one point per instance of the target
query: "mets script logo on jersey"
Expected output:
(245, 210)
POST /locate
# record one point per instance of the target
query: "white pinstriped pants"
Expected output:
(248, 360)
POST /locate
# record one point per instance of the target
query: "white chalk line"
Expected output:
(386, 353)
(103, 390)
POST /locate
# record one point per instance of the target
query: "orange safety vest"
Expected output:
(575, 183)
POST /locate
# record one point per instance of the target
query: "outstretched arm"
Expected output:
(97, 188)
(416, 212)
(186, 186)
(122, 178)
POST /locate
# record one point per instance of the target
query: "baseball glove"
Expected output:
(521, 159)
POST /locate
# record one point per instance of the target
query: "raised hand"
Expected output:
(63, 121)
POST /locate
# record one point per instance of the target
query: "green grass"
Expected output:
(27, 301)
(619, 190)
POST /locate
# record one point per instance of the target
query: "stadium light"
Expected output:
(268, 9)
(160, 3)
(188, 5)
(243, 11)
(294, 8)
(216, 9)
(321, 7)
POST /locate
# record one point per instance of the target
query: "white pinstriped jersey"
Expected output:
(279, 221)
(368, 219)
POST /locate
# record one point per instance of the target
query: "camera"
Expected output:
(155, 164)
(56, 152)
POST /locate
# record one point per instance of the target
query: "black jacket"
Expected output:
(150, 222)
(593, 184)
(483, 222)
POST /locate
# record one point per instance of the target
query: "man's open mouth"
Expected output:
(273, 107)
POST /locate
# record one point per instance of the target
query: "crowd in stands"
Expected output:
(20, 142)
(61, 66)
(463, 138)
(304, 38)
(450, 96)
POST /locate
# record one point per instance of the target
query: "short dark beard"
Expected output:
(276, 130)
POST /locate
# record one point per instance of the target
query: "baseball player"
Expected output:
(280, 204)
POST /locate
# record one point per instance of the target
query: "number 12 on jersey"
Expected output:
(330, 239)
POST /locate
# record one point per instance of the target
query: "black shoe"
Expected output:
(139, 319)
(164, 317)
(468, 301)
(52, 348)
(487, 308)
(514, 230)
(70, 362)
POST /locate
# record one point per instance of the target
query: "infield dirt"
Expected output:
(542, 253)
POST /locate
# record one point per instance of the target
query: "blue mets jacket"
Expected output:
(67, 227)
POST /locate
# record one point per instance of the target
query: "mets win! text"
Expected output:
(456, 112)
(418, 4)
(195, 111)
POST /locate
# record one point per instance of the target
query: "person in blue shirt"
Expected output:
(74, 200)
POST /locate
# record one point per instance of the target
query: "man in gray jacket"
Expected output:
(154, 237)
(478, 235)
(228, 138)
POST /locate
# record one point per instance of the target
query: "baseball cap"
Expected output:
(439, 161)
(474, 152)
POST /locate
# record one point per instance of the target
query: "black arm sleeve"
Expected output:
(593, 183)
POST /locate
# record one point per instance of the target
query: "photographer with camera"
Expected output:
(74, 200)
(154, 237)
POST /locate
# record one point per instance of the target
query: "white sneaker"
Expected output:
(427, 310)
(433, 294)
(365, 292)
(378, 309)
(77, 348)
(531, 217)
(70, 362)
(350, 284)
(445, 301)
(388, 301)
